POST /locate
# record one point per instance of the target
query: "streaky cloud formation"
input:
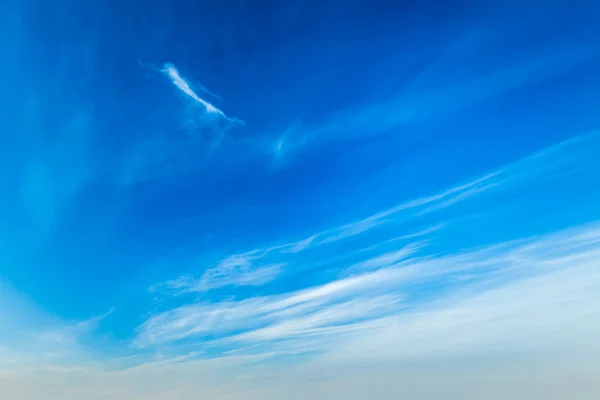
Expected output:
(560, 268)
(383, 280)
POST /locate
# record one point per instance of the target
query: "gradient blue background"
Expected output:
(115, 183)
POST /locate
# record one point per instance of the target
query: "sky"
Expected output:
(299, 199)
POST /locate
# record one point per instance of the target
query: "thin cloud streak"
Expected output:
(235, 270)
(425, 98)
(173, 74)
(557, 158)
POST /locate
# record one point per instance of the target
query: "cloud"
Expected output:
(394, 276)
(246, 277)
(255, 266)
(236, 270)
(536, 286)
(389, 258)
(228, 316)
(554, 162)
(93, 322)
(552, 310)
(379, 263)
(434, 93)
(205, 90)
(158, 154)
(561, 158)
(173, 74)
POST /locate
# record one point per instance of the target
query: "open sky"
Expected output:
(299, 199)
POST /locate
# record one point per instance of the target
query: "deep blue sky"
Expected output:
(142, 219)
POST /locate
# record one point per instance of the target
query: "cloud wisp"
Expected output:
(173, 74)
(236, 270)
(430, 94)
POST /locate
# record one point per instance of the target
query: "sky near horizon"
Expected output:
(299, 199)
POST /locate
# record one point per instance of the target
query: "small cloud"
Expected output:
(93, 322)
(236, 270)
(170, 71)
(301, 245)
(389, 258)
(205, 90)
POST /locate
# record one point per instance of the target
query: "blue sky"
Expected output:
(269, 189)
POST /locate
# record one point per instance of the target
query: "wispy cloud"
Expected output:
(93, 322)
(559, 269)
(387, 277)
(431, 94)
(381, 240)
(158, 155)
(228, 316)
(173, 74)
(237, 270)
(555, 308)
(389, 258)
(562, 158)
(205, 90)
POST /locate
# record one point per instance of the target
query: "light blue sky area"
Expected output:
(194, 188)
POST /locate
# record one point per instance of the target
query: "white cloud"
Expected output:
(575, 155)
(387, 259)
(532, 299)
(224, 317)
(173, 74)
(561, 159)
(551, 311)
(236, 270)
(386, 269)
(511, 268)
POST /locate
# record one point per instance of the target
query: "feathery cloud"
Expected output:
(398, 294)
(236, 270)
(170, 71)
